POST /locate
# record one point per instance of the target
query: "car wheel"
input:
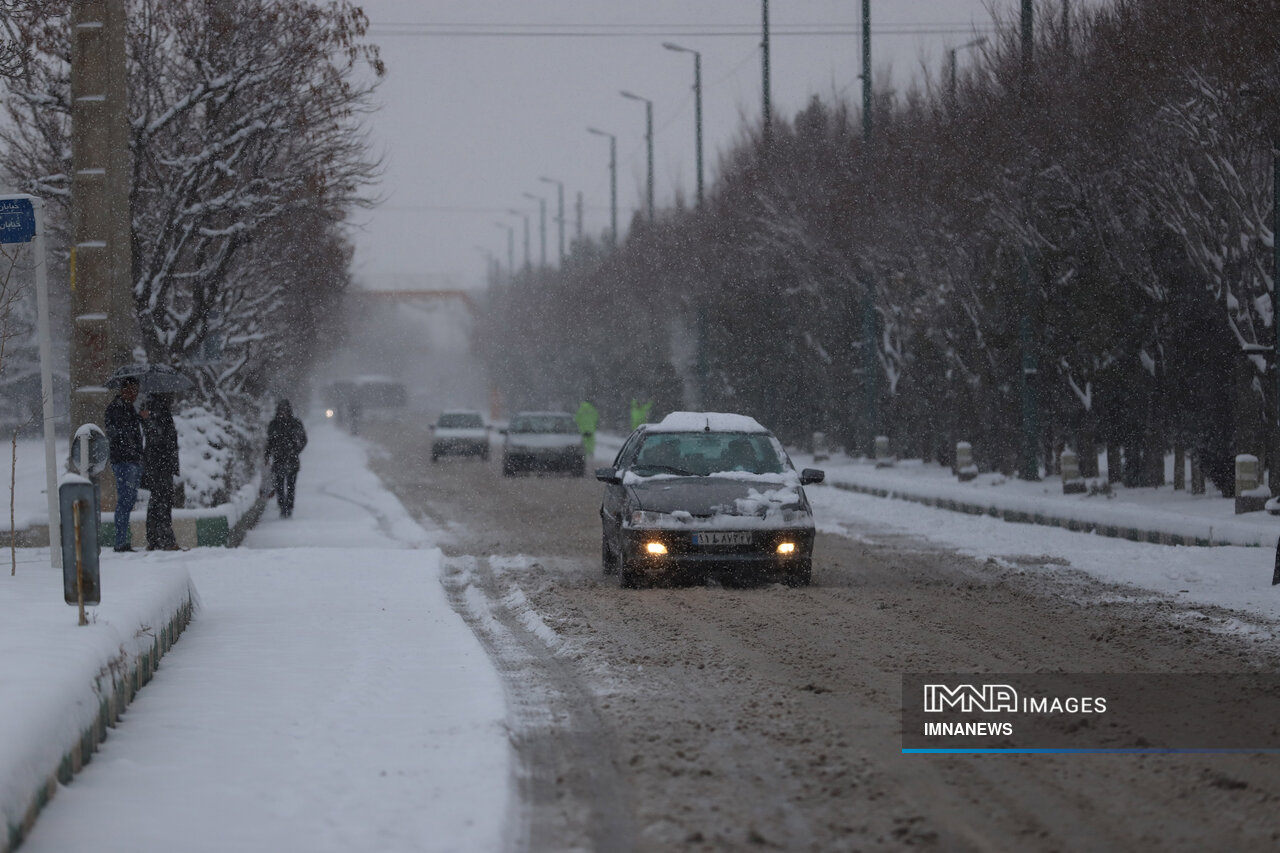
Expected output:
(608, 559)
(631, 577)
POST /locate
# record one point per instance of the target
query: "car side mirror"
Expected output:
(812, 475)
(608, 475)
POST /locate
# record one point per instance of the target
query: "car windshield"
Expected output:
(702, 453)
(459, 420)
(549, 424)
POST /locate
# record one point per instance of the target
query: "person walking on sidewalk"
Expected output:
(286, 438)
(159, 468)
(125, 440)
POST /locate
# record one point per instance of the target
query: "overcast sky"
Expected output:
(484, 97)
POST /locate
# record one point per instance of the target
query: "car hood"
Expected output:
(703, 497)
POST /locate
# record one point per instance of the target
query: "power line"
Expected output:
(533, 31)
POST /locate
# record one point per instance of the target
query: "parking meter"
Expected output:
(78, 508)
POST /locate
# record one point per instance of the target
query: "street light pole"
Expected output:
(511, 253)
(697, 107)
(866, 70)
(951, 90)
(542, 222)
(613, 183)
(525, 216)
(648, 138)
(767, 134)
(560, 215)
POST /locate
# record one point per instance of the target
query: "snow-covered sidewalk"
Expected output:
(325, 697)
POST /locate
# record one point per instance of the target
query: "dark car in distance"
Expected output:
(705, 493)
(543, 441)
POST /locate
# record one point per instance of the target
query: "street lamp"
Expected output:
(613, 183)
(542, 222)
(525, 216)
(767, 135)
(560, 216)
(648, 138)
(975, 43)
(511, 254)
(697, 106)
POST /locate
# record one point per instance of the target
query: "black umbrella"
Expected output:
(152, 378)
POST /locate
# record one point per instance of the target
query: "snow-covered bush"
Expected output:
(214, 454)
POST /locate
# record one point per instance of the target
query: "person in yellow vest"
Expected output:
(587, 418)
(640, 412)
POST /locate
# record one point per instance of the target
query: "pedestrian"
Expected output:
(640, 412)
(286, 438)
(125, 440)
(159, 468)
(587, 418)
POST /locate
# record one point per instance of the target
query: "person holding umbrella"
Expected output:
(159, 468)
(125, 439)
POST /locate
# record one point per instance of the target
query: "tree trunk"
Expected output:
(1179, 468)
(1114, 469)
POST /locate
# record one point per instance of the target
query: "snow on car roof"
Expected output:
(713, 421)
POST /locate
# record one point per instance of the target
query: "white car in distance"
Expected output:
(460, 432)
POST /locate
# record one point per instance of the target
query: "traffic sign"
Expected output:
(17, 220)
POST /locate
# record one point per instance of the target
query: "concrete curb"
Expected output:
(116, 685)
(1133, 534)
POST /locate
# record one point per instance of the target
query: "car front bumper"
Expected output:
(459, 447)
(759, 557)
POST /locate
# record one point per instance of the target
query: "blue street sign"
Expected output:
(17, 220)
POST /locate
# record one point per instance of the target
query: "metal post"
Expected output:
(613, 183)
(542, 222)
(525, 217)
(45, 337)
(511, 254)
(560, 216)
(648, 138)
(613, 189)
(697, 109)
(578, 230)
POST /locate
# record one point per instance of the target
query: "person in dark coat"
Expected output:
(125, 440)
(285, 439)
(159, 467)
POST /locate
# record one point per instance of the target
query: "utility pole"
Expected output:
(768, 109)
(103, 326)
(525, 217)
(870, 353)
(1030, 467)
(578, 231)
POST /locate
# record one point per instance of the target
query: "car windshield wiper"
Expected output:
(666, 469)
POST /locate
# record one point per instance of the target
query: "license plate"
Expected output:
(722, 539)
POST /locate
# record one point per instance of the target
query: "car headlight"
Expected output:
(792, 515)
(648, 518)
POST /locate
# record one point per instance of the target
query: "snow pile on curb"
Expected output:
(80, 678)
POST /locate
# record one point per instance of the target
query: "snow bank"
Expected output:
(66, 684)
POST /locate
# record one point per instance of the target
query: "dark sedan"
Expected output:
(703, 494)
